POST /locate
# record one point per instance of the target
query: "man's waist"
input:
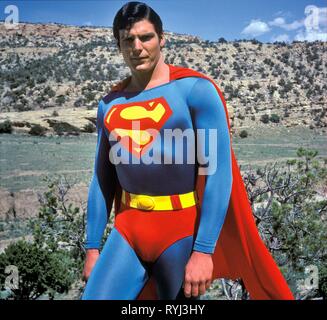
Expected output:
(159, 203)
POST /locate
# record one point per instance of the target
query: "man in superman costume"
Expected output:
(175, 230)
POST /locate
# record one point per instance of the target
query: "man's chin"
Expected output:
(140, 66)
(143, 67)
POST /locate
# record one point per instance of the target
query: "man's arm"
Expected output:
(102, 187)
(208, 113)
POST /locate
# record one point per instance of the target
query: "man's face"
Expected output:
(140, 46)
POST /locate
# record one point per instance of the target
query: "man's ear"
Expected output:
(162, 41)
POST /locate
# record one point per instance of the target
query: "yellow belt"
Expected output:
(170, 202)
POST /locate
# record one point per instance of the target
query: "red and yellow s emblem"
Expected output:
(132, 123)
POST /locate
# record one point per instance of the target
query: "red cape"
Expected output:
(240, 252)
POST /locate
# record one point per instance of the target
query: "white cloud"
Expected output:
(256, 28)
(281, 23)
(88, 23)
(277, 22)
(281, 38)
(312, 27)
(293, 26)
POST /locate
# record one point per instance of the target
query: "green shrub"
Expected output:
(40, 99)
(6, 127)
(253, 86)
(39, 271)
(49, 92)
(264, 118)
(243, 134)
(274, 118)
(60, 100)
(222, 40)
(61, 128)
(89, 128)
(37, 130)
(291, 220)
(89, 96)
(78, 103)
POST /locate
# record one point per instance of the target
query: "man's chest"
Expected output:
(137, 124)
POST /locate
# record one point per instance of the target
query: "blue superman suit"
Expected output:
(128, 258)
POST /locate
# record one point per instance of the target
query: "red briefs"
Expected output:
(149, 233)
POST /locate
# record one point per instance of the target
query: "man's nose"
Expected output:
(137, 45)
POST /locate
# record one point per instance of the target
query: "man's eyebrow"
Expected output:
(147, 34)
(141, 35)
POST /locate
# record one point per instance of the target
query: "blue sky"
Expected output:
(267, 21)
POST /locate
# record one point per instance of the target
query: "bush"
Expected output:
(78, 103)
(63, 127)
(274, 118)
(55, 259)
(37, 130)
(60, 100)
(89, 96)
(290, 216)
(89, 128)
(222, 40)
(243, 134)
(40, 99)
(253, 86)
(49, 92)
(264, 118)
(39, 271)
(272, 89)
(6, 127)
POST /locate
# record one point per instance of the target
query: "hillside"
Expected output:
(53, 73)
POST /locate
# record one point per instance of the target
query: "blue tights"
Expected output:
(119, 274)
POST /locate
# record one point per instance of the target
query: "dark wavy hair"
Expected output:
(132, 12)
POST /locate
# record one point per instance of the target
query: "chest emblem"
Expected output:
(135, 125)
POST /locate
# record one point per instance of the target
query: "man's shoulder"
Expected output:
(179, 71)
(189, 78)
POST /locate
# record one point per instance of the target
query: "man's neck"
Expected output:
(142, 81)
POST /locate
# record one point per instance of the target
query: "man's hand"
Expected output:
(91, 258)
(198, 274)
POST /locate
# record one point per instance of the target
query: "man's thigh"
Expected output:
(169, 269)
(118, 273)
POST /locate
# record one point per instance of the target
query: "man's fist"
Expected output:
(90, 260)
(198, 274)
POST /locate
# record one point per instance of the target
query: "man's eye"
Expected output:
(142, 38)
(146, 38)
